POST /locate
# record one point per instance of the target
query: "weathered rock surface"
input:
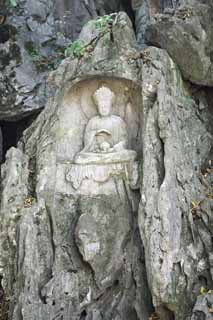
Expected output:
(27, 39)
(203, 308)
(187, 36)
(74, 252)
(33, 38)
(145, 12)
(73, 243)
(175, 215)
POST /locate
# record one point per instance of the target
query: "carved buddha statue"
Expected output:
(105, 137)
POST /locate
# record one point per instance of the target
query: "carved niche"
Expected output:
(105, 132)
(98, 160)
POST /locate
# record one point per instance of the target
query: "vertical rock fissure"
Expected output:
(51, 231)
(160, 159)
(89, 258)
(12, 132)
(9, 136)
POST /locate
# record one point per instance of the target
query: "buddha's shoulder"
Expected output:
(94, 120)
(117, 119)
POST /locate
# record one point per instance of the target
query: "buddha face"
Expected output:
(104, 107)
(104, 99)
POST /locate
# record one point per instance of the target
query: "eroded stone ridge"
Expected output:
(78, 252)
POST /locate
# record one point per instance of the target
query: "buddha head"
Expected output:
(104, 99)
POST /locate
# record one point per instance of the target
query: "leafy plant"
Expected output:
(42, 62)
(103, 22)
(196, 209)
(202, 290)
(76, 48)
(32, 51)
(13, 3)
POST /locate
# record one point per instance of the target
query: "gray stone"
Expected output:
(71, 231)
(145, 11)
(203, 308)
(75, 250)
(1, 146)
(187, 36)
(32, 43)
(175, 214)
(21, 78)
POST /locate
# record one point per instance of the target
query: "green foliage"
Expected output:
(202, 290)
(44, 63)
(32, 51)
(76, 48)
(13, 3)
(103, 22)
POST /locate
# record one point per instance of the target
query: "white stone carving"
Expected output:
(105, 137)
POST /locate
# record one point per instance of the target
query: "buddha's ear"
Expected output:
(95, 99)
(113, 98)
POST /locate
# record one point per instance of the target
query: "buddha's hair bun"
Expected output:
(103, 93)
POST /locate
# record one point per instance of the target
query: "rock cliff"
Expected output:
(107, 196)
